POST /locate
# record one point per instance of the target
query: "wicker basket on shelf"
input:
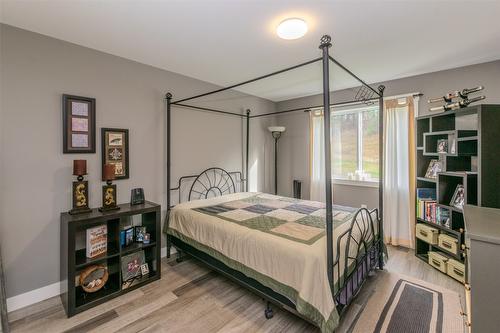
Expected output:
(93, 278)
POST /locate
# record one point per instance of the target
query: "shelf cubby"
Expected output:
(448, 183)
(112, 286)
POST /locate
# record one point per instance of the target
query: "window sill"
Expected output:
(361, 183)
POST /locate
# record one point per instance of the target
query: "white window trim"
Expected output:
(354, 182)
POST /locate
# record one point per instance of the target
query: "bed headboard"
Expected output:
(210, 183)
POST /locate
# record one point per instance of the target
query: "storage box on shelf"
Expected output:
(456, 270)
(438, 260)
(75, 260)
(449, 244)
(470, 159)
(427, 233)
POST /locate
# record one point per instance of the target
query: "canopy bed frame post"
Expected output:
(246, 158)
(381, 89)
(168, 136)
(324, 46)
(368, 246)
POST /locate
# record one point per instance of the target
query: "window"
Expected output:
(355, 143)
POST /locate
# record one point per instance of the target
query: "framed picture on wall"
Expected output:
(114, 143)
(78, 125)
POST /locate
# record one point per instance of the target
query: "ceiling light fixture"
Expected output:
(292, 28)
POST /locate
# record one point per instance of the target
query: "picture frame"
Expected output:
(131, 265)
(137, 196)
(442, 146)
(115, 150)
(145, 269)
(458, 198)
(435, 166)
(126, 236)
(79, 124)
(139, 232)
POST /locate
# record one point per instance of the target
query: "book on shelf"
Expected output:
(426, 210)
(426, 193)
(426, 204)
(443, 217)
(97, 241)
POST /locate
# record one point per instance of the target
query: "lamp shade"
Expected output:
(108, 172)
(79, 167)
(276, 128)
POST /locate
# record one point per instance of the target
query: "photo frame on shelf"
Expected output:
(458, 199)
(144, 269)
(115, 150)
(131, 266)
(434, 167)
(442, 146)
(139, 232)
(78, 124)
(126, 236)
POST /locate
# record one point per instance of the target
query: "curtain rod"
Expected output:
(414, 94)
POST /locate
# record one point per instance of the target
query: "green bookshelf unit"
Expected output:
(470, 173)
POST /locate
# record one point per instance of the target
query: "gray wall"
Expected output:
(294, 145)
(36, 176)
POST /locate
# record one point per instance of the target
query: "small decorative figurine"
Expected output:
(80, 188)
(108, 190)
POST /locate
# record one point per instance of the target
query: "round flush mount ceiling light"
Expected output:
(292, 28)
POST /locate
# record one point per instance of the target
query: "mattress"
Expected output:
(275, 240)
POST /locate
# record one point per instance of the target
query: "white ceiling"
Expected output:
(227, 41)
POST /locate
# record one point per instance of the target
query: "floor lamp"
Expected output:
(276, 132)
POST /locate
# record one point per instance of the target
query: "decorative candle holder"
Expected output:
(80, 188)
(108, 190)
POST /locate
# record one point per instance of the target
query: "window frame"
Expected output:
(358, 110)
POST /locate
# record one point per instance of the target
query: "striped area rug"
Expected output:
(401, 304)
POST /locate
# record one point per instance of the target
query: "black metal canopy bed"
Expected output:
(308, 257)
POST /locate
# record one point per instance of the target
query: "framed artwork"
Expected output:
(145, 269)
(131, 265)
(140, 231)
(435, 166)
(114, 143)
(458, 199)
(78, 125)
(442, 146)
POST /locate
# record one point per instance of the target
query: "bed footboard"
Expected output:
(359, 251)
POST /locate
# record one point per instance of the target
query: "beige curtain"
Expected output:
(317, 156)
(399, 171)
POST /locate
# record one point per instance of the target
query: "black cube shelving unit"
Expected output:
(474, 163)
(74, 259)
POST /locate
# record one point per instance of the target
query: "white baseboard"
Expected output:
(33, 296)
(43, 293)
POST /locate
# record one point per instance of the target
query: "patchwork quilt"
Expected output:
(275, 240)
(298, 220)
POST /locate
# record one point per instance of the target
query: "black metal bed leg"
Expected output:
(180, 257)
(169, 246)
(381, 255)
(268, 312)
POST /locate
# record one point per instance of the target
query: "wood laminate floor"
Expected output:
(191, 298)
